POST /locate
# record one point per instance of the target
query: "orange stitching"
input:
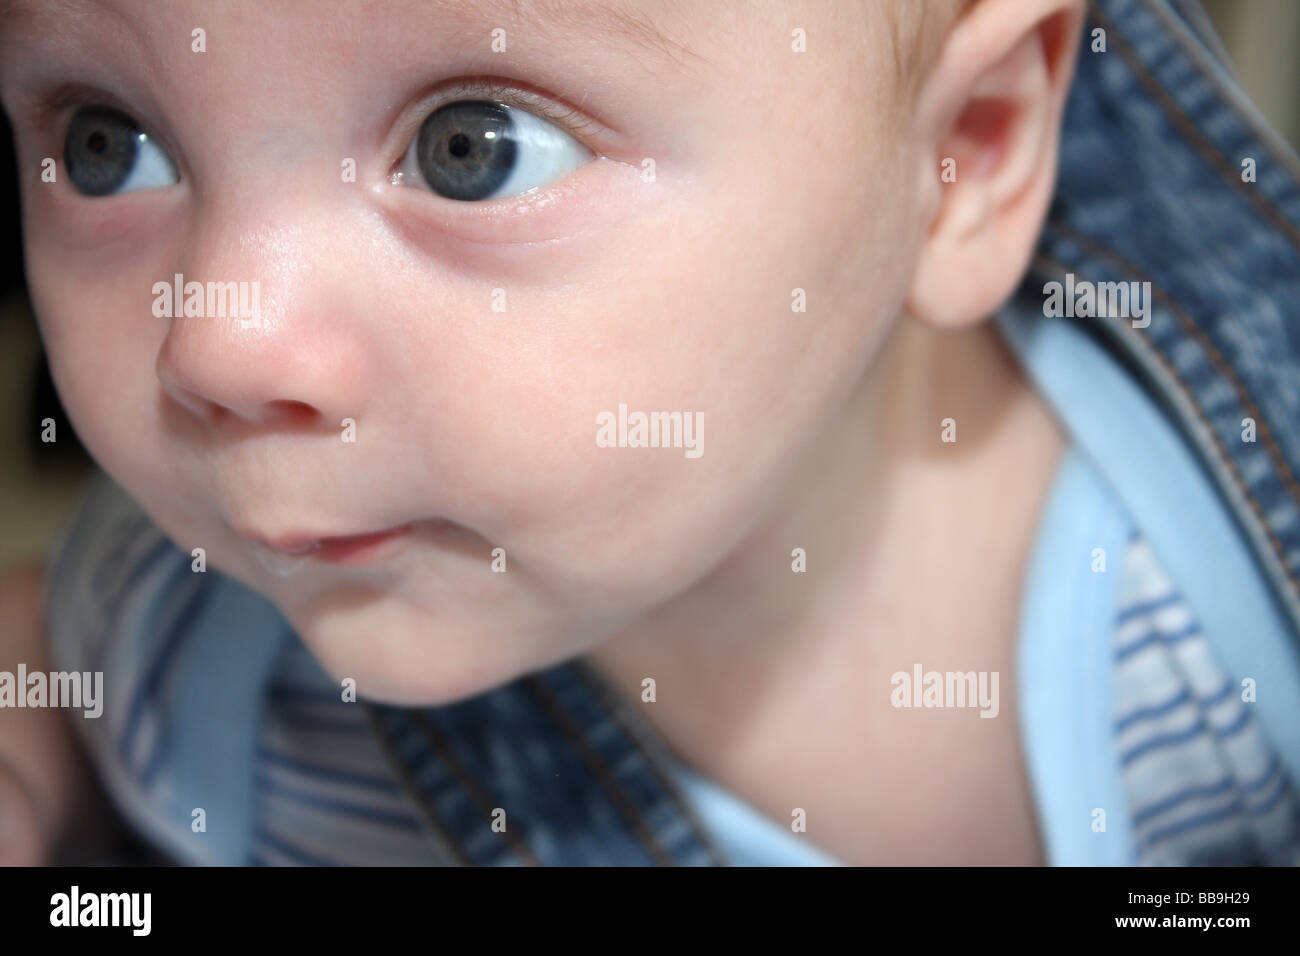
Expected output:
(1250, 122)
(462, 774)
(1206, 149)
(600, 769)
(423, 805)
(637, 732)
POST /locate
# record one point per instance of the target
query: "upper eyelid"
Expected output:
(58, 106)
(574, 121)
(54, 111)
(55, 108)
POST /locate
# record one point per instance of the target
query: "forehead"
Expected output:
(640, 64)
(651, 27)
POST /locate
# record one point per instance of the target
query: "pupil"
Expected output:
(466, 149)
(97, 142)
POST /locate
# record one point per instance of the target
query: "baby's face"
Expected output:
(451, 311)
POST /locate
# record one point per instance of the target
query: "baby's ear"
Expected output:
(987, 125)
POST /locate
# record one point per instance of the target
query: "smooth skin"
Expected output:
(774, 171)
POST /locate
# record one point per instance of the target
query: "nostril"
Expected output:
(291, 413)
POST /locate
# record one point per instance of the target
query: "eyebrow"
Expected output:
(618, 21)
(17, 8)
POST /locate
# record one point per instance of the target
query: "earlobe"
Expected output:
(995, 101)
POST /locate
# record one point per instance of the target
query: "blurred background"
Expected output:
(40, 481)
(1262, 37)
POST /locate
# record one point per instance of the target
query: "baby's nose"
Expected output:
(261, 332)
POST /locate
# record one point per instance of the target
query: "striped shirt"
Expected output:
(1200, 778)
(1205, 785)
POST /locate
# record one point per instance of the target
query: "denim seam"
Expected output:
(1226, 458)
(1221, 364)
(1206, 149)
(1193, 15)
(1279, 150)
(602, 772)
(652, 749)
(439, 834)
(469, 783)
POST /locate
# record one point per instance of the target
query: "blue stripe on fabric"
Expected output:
(1182, 697)
(1183, 827)
(326, 725)
(1154, 710)
(1164, 741)
(1236, 806)
(1160, 481)
(336, 804)
(1147, 607)
(1220, 695)
(1280, 787)
(1270, 776)
(294, 853)
(1156, 637)
(354, 777)
(1190, 793)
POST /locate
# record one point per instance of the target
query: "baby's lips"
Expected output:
(287, 555)
(277, 562)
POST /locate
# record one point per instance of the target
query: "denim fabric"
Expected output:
(585, 781)
(1150, 189)
(1187, 586)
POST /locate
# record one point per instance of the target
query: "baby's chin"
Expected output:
(401, 655)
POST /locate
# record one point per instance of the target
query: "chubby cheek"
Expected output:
(751, 321)
(102, 344)
(693, 313)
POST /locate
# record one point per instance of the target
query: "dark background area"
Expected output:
(38, 480)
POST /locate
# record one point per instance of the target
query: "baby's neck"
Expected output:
(915, 549)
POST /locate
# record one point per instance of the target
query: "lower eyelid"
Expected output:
(583, 201)
(94, 224)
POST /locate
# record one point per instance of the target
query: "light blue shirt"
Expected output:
(1126, 472)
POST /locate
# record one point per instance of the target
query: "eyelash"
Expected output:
(488, 88)
(63, 102)
(512, 93)
(55, 110)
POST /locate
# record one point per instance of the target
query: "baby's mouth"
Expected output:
(278, 563)
(288, 554)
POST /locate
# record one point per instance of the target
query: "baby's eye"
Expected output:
(475, 149)
(106, 152)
